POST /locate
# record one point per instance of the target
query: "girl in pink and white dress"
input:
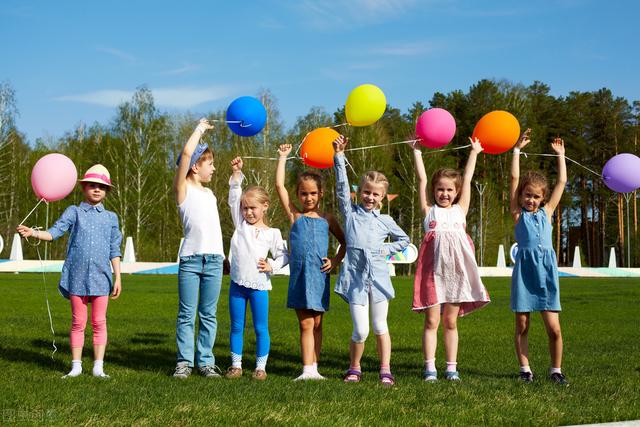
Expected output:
(447, 281)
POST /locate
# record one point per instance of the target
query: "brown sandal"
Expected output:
(233, 372)
(259, 375)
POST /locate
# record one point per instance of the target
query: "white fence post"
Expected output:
(16, 249)
(502, 262)
(577, 263)
(612, 258)
(129, 253)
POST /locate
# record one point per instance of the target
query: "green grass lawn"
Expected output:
(602, 361)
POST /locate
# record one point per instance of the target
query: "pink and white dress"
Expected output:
(447, 271)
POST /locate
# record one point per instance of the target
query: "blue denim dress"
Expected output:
(534, 281)
(308, 286)
(365, 269)
(94, 240)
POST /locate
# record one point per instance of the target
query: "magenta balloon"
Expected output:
(53, 177)
(622, 173)
(435, 128)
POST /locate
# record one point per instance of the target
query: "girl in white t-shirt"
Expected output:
(201, 257)
(252, 241)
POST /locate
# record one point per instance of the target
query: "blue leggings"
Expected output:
(259, 302)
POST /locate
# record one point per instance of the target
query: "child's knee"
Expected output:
(360, 333)
(380, 327)
(307, 324)
(554, 332)
(450, 323)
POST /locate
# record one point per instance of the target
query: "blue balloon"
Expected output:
(250, 113)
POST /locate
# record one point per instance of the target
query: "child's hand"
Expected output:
(24, 231)
(236, 164)
(117, 288)
(327, 265)
(524, 139)
(204, 125)
(476, 147)
(340, 143)
(284, 150)
(558, 146)
(264, 266)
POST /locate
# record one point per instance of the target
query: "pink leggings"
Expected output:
(79, 319)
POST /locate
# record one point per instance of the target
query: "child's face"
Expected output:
(309, 195)
(531, 197)
(445, 192)
(371, 195)
(252, 210)
(94, 192)
(204, 170)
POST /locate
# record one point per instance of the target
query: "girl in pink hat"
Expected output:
(92, 253)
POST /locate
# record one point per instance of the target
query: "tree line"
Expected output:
(140, 145)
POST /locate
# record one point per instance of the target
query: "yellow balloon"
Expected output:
(365, 105)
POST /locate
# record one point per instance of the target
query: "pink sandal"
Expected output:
(387, 380)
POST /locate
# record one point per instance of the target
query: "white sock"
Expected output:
(236, 360)
(307, 369)
(98, 368)
(76, 368)
(261, 362)
(430, 365)
(526, 368)
(554, 371)
(314, 366)
(451, 366)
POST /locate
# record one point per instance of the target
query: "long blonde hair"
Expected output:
(375, 177)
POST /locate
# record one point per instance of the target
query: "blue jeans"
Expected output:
(199, 282)
(259, 302)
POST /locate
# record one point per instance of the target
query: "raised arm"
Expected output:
(425, 206)
(514, 204)
(180, 179)
(465, 191)
(558, 146)
(289, 208)
(235, 190)
(342, 181)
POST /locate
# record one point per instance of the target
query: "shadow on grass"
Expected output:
(40, 355)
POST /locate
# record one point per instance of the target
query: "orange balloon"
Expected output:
(497, 131)
(317, 148)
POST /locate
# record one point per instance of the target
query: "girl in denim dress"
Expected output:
(364, 281)
(534, 282)
(93, 251)
(309, 264)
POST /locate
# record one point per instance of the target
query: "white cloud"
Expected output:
(172, 97)
(336, 13)
(186, 68)
(117, 53)
(407, 49)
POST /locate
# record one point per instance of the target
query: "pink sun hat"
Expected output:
(99, 174)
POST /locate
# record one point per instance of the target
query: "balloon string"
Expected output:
(34, 208)
(269, 158)
(46, 298)
(380, 145)
(341, 124)
(556, 155)
(240, 122)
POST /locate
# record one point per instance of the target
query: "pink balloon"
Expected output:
(53, 177)
(435, 128)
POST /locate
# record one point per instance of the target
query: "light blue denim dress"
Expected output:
(365, 269)
(534, 281)
(94, 240)
(309, 287)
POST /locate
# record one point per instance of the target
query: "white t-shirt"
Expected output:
(201, 223)
(250, 243)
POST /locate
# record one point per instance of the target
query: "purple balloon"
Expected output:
(622, 173)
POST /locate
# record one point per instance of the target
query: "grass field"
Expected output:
(602, 361)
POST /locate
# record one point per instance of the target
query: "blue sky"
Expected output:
(72, 61)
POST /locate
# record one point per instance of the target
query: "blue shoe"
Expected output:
(430, 375)
(452, 376)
